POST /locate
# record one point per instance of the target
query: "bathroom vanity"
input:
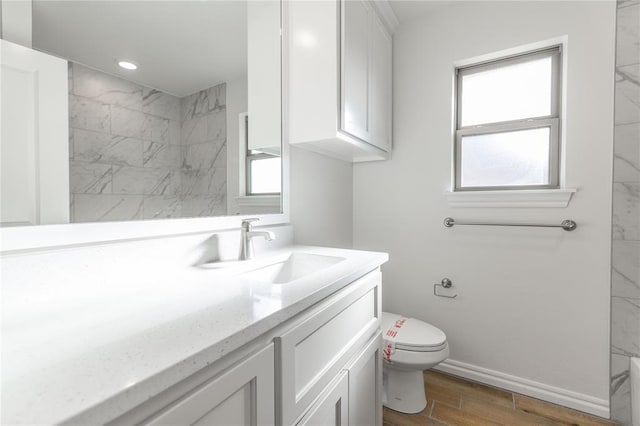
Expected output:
(290, 338)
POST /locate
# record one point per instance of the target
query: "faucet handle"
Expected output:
(246, 223)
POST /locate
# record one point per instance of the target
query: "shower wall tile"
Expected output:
(625, 326)
(137, 152)
(205, 155)
(217, 97)
(628, 26)
(145, 181)
(620, 389)
(107, 207)
(106, 89)
(104, 148)
(127, 122)
(625, 261)
(162, 155)
(626, 211)
(204, 182)
(625, 265)
(194, 131)
(155, 102)
(162, 207)
(175, 128)
(627, 92)
(195, 105)
(626, 166)
(89, 115)
(205, 205)
(217, 125)
(90, 178)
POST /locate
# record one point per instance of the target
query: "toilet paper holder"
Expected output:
(445, 283)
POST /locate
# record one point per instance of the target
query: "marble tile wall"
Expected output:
(625, 274)
(138, 153)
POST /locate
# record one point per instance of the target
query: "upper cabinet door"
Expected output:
(381, 82)
(355, 59)
(34, 153)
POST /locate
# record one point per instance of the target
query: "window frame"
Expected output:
(249, 156)
(551, 121)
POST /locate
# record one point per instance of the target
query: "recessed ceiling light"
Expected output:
(127, 65)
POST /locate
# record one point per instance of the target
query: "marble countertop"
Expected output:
(93, 352)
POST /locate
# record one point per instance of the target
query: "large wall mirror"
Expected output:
(174, 111)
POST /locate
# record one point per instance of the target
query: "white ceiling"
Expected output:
(181, 46)
(407, 10)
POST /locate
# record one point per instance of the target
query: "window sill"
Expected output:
(258, 200)
(553, 198)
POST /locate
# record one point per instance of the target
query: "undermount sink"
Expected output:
(296, 266)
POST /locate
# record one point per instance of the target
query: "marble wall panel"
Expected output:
(87, 114)
(620, 389)
(194, 131)
(106, 89)
(145, 181)
(160, 104)
(627, 92)
(217, 125)
(162, 207)
(90, 178)
(162, 155)
(626, 211)
(107, 207)
(625, 263)
(205, 155)
(97, 147)
(628, 34)
(147, 152)
(625, 276)
(627, 153)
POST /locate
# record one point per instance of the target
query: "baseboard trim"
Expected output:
(567, 398)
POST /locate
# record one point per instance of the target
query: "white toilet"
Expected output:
(409, 347)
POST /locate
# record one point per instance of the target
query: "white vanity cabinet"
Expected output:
(242, 395)
(340, 61)
(321, 367)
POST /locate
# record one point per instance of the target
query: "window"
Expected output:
(263, 170)
(507, 123)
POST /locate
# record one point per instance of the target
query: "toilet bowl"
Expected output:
(409, 347)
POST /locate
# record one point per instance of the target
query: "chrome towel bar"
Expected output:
(567, 224)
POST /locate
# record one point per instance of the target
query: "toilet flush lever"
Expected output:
(445, 283)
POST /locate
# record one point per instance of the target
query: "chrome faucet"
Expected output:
(248, 234)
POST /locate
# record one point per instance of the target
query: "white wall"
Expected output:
(321, 199)
(533, 304)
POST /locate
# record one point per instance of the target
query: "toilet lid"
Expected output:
(413, 334)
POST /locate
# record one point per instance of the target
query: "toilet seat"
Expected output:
(413, 335)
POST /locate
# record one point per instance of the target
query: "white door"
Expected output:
(34, 137)
(241, 396)
(332, 407)
(355, 59)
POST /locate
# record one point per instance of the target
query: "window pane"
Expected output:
(506, 159)
(510, 92)
(265, 176)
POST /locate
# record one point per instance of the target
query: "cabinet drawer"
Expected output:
(319, 346)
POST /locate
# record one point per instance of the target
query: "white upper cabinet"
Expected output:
(340, 55)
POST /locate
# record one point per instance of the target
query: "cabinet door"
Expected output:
(34, 153)
(243, 395)
(365, 386)
(355, 60)
(381, 85)
(332, 407)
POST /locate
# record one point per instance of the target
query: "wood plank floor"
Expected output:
(456, 402)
